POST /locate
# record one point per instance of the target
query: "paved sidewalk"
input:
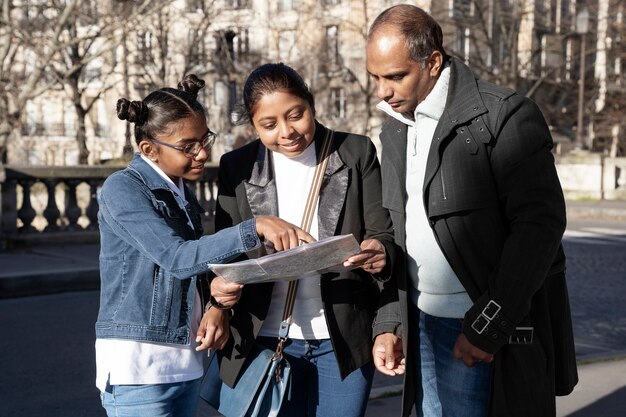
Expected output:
(49, 269)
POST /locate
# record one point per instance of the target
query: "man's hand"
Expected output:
(469, 353)
(387, 353)
(213, 331)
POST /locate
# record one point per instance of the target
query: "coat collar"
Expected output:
(464, 101)
(153, 180)
(464, 104)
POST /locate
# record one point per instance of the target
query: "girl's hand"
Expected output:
(213, 331)
(282, 234)
(226, 293)
(372, 257)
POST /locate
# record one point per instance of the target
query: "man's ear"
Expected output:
(147, 148)
(435, 63)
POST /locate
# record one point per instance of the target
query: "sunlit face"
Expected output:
(172, 161)
(284, 122)
(400, 81)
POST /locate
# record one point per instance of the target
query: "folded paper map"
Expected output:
(305, 260)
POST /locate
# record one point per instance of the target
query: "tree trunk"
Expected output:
(81, 136)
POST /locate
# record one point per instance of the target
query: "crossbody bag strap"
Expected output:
(307, 220)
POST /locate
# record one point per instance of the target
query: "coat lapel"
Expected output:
(332, 194)
(393, 169)
(261, 187)
(334, 186)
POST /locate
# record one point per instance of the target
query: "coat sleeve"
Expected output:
(378, 225)
(376, 217)
(533, 208)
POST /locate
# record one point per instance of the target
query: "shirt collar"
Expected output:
(178, 189)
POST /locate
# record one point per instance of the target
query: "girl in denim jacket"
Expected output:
(152, 325)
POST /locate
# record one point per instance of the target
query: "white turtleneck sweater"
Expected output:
(435, 287)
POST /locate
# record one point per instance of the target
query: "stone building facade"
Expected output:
(530, 45)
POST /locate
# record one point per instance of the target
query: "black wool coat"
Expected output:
(497, 210)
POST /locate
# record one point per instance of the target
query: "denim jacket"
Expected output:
(150, 256)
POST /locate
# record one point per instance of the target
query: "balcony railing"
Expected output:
(44, 204)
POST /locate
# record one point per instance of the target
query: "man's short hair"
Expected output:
(422, 34)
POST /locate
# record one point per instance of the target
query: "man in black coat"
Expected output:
(478, 316)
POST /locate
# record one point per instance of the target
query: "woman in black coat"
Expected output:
(329, 346)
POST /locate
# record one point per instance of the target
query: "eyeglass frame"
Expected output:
(209, 137)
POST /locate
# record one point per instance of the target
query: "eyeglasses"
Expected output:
(191, 149)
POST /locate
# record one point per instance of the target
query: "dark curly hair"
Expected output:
(160, 108)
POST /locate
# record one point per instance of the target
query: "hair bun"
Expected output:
(191, 84)
(133, 111)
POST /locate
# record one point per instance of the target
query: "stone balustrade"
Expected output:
(47, 204)
(43, 204)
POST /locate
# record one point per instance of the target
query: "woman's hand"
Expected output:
(226, 293)
(372, 257)
(282, 234)
(213, 331)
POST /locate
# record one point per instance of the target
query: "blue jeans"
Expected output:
(448, 387)
(178, 399)
(316, 386)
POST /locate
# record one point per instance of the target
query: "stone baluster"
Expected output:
(8, 210)
(72, 211)
(92, 207)
(51, 212)
(211, 201)
(26, 213)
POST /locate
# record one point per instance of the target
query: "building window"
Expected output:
(195, 5)
(231, 45)
(337, 103)
(93, 70)
(568, 59)
(553, 55)
(89, 12)
(197, 54)
(232, 95)
(331, 2)
(461, 8)
(332, 44)
(286, 44)
(144, 45)
(285, 5)
(238, 4)
(463, 44)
